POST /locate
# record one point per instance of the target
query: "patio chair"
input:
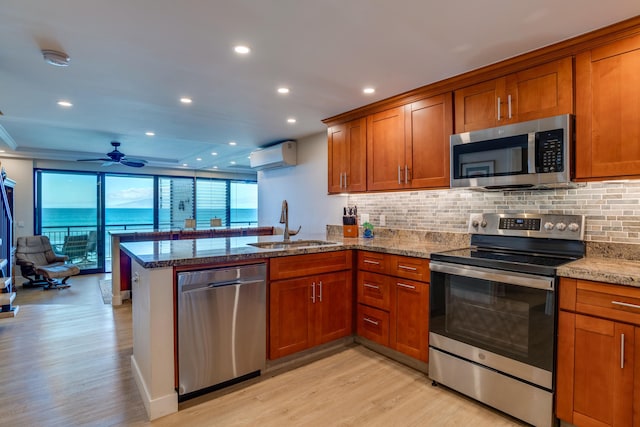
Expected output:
(75, 247)
(41, 265)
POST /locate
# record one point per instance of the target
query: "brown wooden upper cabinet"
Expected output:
(538, 92)
(608, 111)
(347, 156)
(407, 146)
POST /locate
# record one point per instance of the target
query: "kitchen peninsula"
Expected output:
(155, 264)
(153, 286)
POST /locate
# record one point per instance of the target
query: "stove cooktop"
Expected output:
(504, 260)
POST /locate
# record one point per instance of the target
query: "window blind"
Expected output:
(212, 201)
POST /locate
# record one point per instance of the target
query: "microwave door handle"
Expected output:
(511, 278)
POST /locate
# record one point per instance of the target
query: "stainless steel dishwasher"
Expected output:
(221, 327)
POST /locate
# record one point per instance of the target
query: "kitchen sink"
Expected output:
(291, 244)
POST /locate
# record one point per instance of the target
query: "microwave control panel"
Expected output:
(550, 151)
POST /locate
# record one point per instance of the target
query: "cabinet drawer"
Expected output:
(408, 267)
(374, 290)
(614, 302)
(373, 324)
(307, 265)
(371, 261)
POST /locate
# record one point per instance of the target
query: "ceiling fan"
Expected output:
(117, 156)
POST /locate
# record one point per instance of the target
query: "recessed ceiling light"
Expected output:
(185, 164)
(199, 159)
(243, 50)
(232, 143)
(291, 120)
(2, 151)
(215, 167)
(65, 104)
(368, 90)
(283, 90)
(232, 162)
(186, 100)
(149, 133)
(214, 153)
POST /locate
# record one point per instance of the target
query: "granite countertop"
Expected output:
(609, 270)
(171, 253)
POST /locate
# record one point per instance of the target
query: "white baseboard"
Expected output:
(118, 298)
(158, 407)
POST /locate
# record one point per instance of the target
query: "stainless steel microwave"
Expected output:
(533, 154)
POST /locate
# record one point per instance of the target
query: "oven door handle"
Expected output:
(511, 278)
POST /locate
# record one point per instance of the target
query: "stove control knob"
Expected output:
(548, 226)
(483, 224)
(474, 223)
(561, 226)
(574, 227)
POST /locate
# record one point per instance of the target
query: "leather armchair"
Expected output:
(41, 265)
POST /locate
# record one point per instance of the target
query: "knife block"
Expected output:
(350, 230)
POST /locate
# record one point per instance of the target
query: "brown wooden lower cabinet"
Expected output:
(393, 308)
(309, 310)
(598, 372)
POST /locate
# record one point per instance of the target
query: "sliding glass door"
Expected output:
(69, 214)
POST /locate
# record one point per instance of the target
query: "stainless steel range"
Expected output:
(493, 311)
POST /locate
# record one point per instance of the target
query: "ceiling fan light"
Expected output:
(54, 57)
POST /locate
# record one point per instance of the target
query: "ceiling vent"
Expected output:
(281, 155)
(54, 57)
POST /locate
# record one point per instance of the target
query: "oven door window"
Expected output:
(513, 321)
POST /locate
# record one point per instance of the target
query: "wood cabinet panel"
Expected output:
(373, 324)
(409, 267)
(598, 358)
(534, 93)
(309, 264)
(333, 307)
(372, 261)
(607, 111)
(374, 290)
(620, 303)
(310, 310)
(409, 332)
(290, 315)
(347, 156)
(429, 125)
(386, 149)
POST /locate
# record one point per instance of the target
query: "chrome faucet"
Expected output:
(284, 219)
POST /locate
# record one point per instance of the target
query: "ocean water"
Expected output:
(114, 217)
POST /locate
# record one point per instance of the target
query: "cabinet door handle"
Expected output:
(368, 261)
(405, 267)
(340, 179)
(404, 285)
(509, 101)
(366, 285)
(498, 108)
(345, 180)
(406, 174)
(399, 175)
(621, 351)
(313, 292)
(320, 294)
(373, 322)
(625, 304)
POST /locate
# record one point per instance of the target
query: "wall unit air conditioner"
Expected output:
(276, 156)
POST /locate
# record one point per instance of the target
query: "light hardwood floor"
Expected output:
(68, 364)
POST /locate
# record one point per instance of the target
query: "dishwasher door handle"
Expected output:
(233, 282)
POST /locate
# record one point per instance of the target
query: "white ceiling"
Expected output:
(132, 60)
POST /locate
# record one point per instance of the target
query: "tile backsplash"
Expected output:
(612, 209)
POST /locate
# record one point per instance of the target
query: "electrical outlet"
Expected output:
(364, 218)
(383, 221)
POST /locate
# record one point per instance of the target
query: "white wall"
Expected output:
(304, 186)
